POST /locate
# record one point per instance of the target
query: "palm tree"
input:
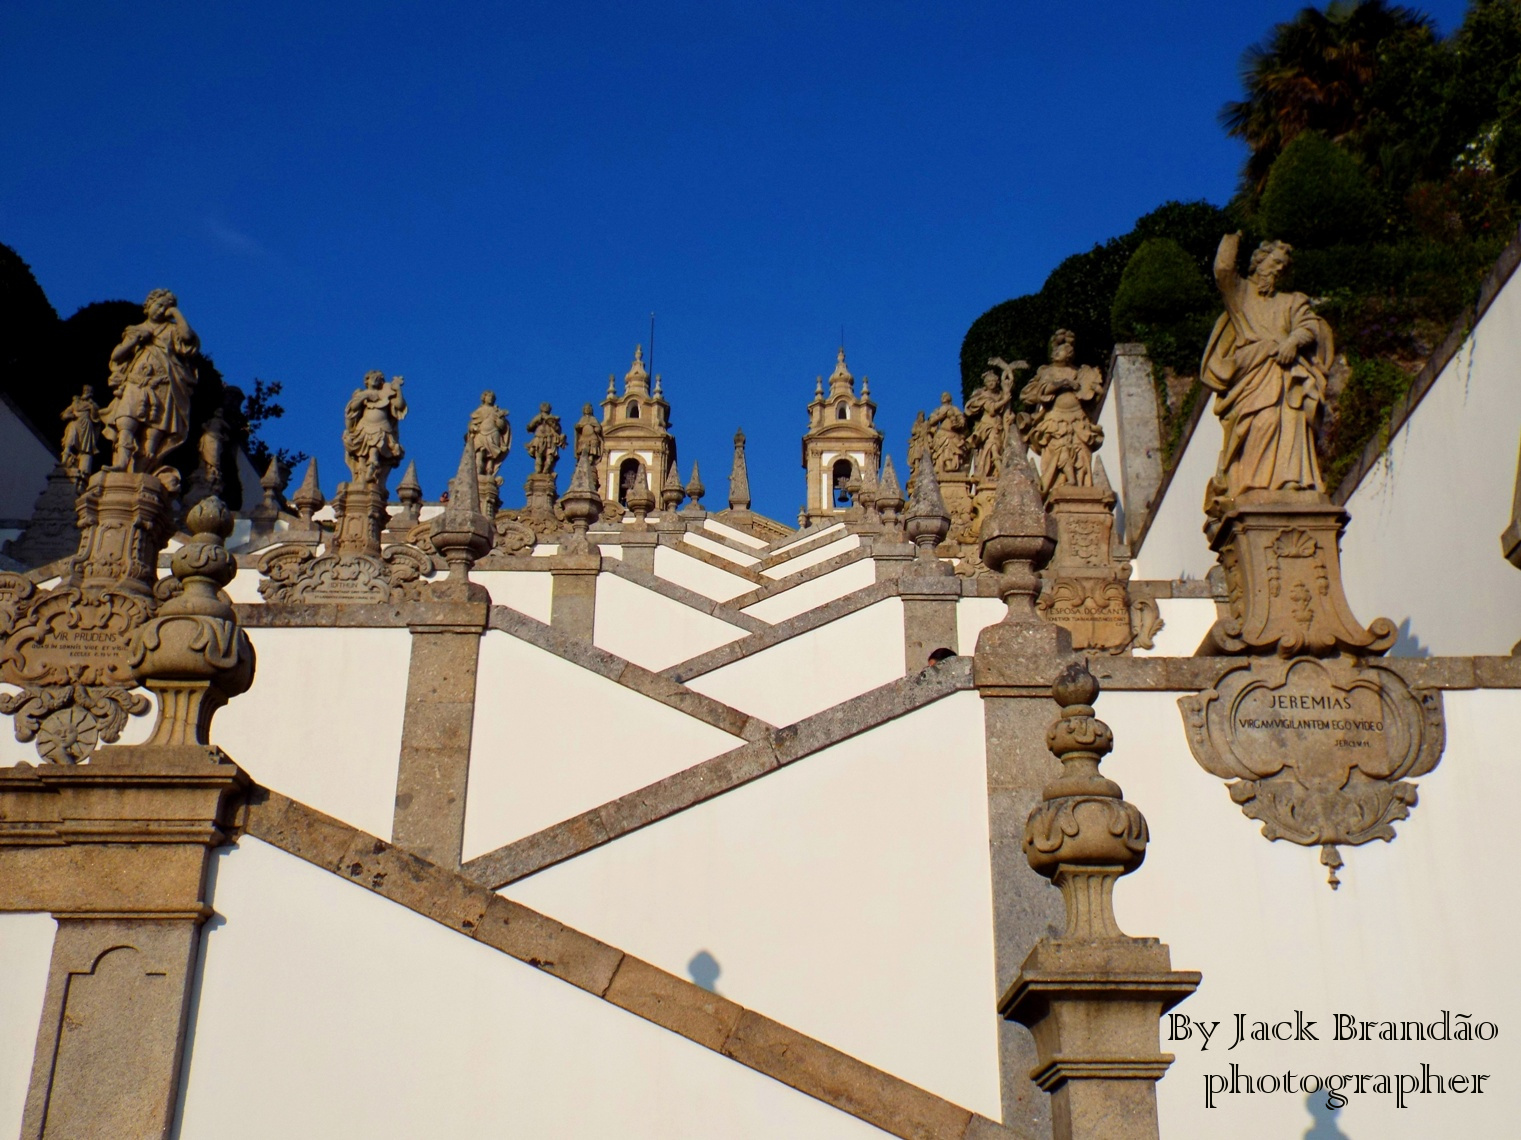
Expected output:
(1311, 75)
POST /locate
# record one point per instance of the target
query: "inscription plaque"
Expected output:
(1319, 750)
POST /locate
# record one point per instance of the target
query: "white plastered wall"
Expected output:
(1420, 925)
(847, 895)
(812, 671)
(814, 593)
(718, 549)
(528, 592)
(973, 615)
(322, 723)
(813, 557)
(701, 578)
(26, 948)
(1423, 546)
(325, 1010)
(652, 630)
(1174, 546)
(734, 535)
(1185, 621)
(789, 544)
(551, 740)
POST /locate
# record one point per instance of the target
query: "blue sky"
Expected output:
(498, 195)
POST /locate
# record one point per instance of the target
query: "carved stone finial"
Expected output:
(1017, 537)
(308, 499)
(865, 497)
(1092, 998)
(641, 500)
(926, 524)
(582, 506)
(671, 492)
(409, 493)
(841, 382)
(194, 655)
(612, 386)
(1083, 836)
(818, 388)
(739, 477)
(372, 430)
(636, 381)
(890, 502)
(695, 491)
(462, 533)
(658, 392)
(153, 374)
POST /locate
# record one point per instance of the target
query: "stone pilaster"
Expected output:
(437, 728)
(1012, 670)
(116, 850)
(573, 602)
(1140, 443)
(929, 617)
(1092, 997)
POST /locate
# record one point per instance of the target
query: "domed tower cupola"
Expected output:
(842, 443)
(635, 432)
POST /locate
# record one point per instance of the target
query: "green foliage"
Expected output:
(1160, 284)
(1312, 74)
(1361, 412)
(258, 408)
(1079, 294)
(1317, 195)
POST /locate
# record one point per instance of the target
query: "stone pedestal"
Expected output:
(1094, 1008)
(362, 516)
(542, 491)
(1084, 589)
(1280, 551)
(125, 519)
(573, 602)
(639, 544)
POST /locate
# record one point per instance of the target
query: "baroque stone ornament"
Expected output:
(1093, 997)
(67, 649)
(1280, 554)
(1319, 750)
(298, 574)
(194, 656)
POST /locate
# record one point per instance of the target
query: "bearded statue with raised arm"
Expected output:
(1266, 362)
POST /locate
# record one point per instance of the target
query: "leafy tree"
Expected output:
(1312, 73)
(1317, 195)
(28, 336)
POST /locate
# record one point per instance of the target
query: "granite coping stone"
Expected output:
(631, 984)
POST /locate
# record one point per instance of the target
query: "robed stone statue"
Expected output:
(1266, 361)
(153, 373)
(372, 429)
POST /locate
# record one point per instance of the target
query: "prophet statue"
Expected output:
(489, 436)
(81, 434)
(546, 442)
(153, 373)
(213, 441)
(1060, 429)
(918, 442)
(588, 436)
(1266, 362)
(372, 429)
(947, 436)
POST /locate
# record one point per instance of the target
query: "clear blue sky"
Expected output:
(497, 195)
